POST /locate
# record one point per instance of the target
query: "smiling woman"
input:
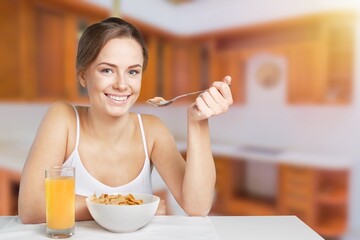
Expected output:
(113, 80)
(111, 148)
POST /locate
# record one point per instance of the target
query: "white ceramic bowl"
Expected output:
(124, 218)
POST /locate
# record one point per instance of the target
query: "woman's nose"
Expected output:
(120, 82)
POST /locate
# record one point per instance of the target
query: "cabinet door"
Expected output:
(58, 30)
(233, 63)
(181, 68)
(341, 42)
(42, 40)
(296, 192)
(9, 65)
(225, 184)
(150, 79)
(50, 56)
(332, 196)
(16, 47)
(306, 72)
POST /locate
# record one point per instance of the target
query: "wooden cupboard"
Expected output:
(151, 76)
(327, 61)
(340, 64)
(317, 196)
(39, 40)
(9, 188)
(319, 53)
(181, 68)
(305, 84)
(40, 46)
(319, 50)
(233, 63)
(232, 197)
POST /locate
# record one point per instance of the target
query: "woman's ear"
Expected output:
(81, 77)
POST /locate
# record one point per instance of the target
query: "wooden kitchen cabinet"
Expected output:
(321, 66)
(224, 182)
(340, 64)
(9, 187)
(151, 76)
(40, 40)
(233, 63)
(296, 192)
(306, 72)
(181, 68)
(331, 201)
(232, 197)
(39, 50)
(319, 197)
(319, 50)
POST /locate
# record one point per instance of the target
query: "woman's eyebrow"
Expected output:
(109, 64)
(135, 65)
(115, 66)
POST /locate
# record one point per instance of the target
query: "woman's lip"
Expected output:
(118, 98)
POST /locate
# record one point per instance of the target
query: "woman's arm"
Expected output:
(192, 182)
(200, 174)
(48, 149)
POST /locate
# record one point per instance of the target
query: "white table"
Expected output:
(177, 227)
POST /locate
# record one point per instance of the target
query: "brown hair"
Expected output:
(97, 35)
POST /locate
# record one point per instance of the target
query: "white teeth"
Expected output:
(116, 98)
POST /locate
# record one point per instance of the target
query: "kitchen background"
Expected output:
(289, 143)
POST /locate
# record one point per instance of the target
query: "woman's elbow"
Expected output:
(199, 211)
(27, 216)
(24, 217)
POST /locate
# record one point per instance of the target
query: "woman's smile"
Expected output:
(117, 98)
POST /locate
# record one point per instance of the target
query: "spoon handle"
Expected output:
(187, 94)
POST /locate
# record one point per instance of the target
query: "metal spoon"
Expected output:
(161, 102)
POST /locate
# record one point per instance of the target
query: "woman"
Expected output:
(107, 144)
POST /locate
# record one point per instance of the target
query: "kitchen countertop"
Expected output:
(13, 155)
(273, 155)
(178, 227)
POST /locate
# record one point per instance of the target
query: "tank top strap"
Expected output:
(143, 135)
(77, 128)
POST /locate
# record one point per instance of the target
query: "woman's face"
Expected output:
(113, 80)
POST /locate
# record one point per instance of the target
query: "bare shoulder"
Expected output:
(60, 112)
(60, 108)
(152, 122)
(154, 127)
(160, 140)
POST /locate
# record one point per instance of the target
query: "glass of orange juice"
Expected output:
(60, 201)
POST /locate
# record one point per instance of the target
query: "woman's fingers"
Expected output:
(224, 88)
(214, 101)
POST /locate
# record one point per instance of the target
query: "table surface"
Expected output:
(178, 227)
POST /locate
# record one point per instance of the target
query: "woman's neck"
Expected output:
(107, 128)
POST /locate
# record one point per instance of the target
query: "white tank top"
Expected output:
(86, 184)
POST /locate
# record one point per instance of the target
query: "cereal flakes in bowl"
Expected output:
(118, 212)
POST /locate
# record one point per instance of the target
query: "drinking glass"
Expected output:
(60, 201)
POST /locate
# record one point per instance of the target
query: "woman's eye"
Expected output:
(133, 72)
(107, 71)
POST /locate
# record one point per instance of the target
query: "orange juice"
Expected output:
(60, 202)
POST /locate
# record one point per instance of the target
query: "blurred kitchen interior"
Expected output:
(288, 145)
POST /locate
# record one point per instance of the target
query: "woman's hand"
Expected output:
(214, 101)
